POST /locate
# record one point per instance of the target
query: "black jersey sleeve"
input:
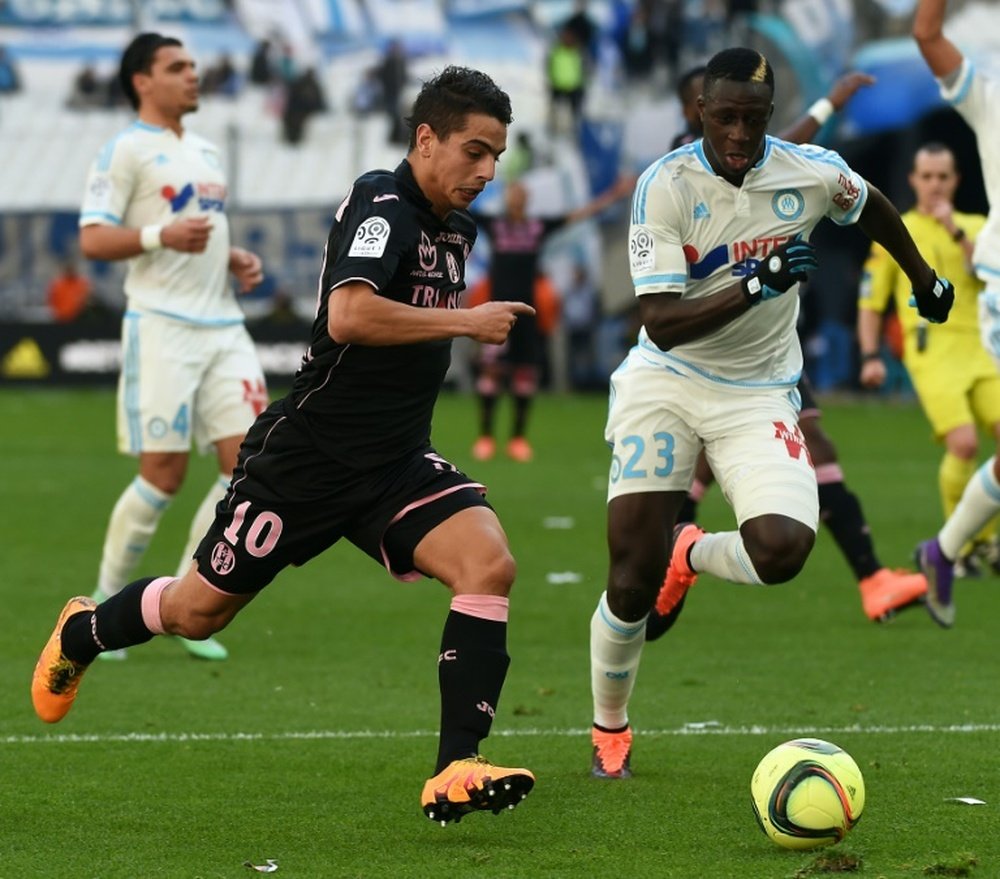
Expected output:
(374, 227)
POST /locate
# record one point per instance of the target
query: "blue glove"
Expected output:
(934, 302)
(786, 266)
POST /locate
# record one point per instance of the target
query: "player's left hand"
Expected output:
(246, 267)
(934, 301)
(845, 87)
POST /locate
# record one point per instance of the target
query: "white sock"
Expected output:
(980, 502)
(132, 525)
(615, 648)
(725, 556)
(202, 520)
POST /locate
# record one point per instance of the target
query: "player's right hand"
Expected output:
(493, 321)
(780, 270)
(873, 373)
(189, 235)
(935, 301)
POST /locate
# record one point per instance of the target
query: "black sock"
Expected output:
(116, 623)
(657, 625)
(471, 671)
(521, 407)
(487, 406)
(689, 510)
(840, 511)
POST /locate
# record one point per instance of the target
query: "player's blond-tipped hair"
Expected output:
(738, 65)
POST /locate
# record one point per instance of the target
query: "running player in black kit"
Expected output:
(347, 453)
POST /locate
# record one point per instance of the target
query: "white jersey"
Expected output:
(695, 233)
(977, 97)
(150, 176)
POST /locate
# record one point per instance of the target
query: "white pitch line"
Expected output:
(694, 729)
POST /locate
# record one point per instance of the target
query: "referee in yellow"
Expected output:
(956, 381)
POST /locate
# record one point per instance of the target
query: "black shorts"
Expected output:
(258, 529)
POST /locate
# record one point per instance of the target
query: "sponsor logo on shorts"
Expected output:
(371, 238)
(157, 428)
(794, 442)
(223, 558)
(640, 249)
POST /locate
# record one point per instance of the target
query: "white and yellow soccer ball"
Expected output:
(807, 793)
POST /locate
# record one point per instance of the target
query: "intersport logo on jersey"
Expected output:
(744, 256)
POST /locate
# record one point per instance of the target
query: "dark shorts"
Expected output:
(258, 529)
(810, 408)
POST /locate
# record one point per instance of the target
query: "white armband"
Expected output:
(149, 237)
(821, 111)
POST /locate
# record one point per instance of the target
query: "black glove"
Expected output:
(785, 266)
(935, 301)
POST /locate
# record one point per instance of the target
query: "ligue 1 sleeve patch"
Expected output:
(371, 238)
(641, 252)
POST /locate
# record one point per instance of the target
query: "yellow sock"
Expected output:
(953, 474)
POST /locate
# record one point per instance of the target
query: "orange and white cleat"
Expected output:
(56, 678)
(473, 784)
(484, 448)
(885, 592)
(519, 449)
(612, 753)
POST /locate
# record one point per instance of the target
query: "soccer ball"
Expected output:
(807, 793)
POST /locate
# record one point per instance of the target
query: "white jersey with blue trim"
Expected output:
(151, 176)
(694, 233)
(976, 96)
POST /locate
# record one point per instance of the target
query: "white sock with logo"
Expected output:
(132, 525)
(980, 502)
(615, 649)
(724, 555)
(202, 521)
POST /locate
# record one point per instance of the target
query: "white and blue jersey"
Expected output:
(694, 233)
(976, 96)
(151, 176)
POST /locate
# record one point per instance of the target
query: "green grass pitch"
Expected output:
(311, 744)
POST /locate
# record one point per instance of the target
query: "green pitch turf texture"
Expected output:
(311, 744)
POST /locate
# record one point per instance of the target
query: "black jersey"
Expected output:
(367, 405)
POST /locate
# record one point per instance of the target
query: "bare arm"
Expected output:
(671, 321)
(618, 190)
(940, 53)
(121, 242)
(358, 315)
(869, 329)
(805, 128)
(881, 222)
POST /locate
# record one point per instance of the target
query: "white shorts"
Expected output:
(989, 320)
(658, 420)
(181, 382)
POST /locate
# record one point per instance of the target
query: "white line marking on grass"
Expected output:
(332, 734)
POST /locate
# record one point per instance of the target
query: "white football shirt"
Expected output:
(694, 233)
(976, 96)
(150, 176)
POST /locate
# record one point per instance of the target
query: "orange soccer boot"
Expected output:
(56, 678)
(473, 784)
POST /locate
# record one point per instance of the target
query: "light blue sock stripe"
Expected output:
(155, 500)
(989, 482)
(617, 625)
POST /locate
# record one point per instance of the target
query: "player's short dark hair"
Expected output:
(738, 65)
(686, 80)
(138, 58)
(936, 148)
(446, 100)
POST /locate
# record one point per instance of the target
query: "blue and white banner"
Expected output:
(108, 12)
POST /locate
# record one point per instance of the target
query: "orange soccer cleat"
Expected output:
(473, 784)
(885, 592)
(612, 753)
(56, 678)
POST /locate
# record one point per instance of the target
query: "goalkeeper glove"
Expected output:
(785, 266)
(934, 302)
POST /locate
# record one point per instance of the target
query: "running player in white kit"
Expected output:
(719, 236)
(156, 197)
(976, 96)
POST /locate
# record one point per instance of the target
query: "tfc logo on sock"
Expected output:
(447, 656)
